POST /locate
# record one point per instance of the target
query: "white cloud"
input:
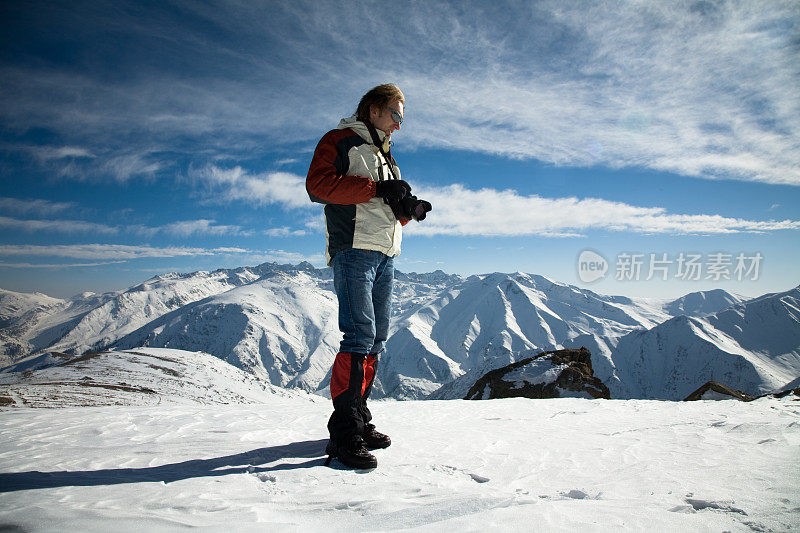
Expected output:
(284, 232)
(236, 184)
(701, 92)
(56, 265)
(283, 256)
(60, 226)
(187, 228)
(34, 206)
(123, 167)
(698, 88)
(183, 228)
(48, 153)
(121, 252)
(316, 223)
(105, 161)
(461, 211)
(458, 210)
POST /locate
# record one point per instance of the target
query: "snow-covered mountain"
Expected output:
(149, 376)
(18, 317)
(279, 323)
(703, 303)
(753, 346)
(485, 322)
(282, 328)
(33, 324)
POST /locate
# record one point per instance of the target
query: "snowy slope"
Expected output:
(89, 321)
(703, 303)
(769, 324)
(282, 328)
(14, 305)
(148, 376)
(486, 321)
(18, 312)
(501, 465)
(753, 347)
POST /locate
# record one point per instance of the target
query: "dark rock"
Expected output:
(547, 375)
(789, 392)
(718, 391)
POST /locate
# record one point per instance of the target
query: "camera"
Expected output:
(410, 207)
(415, 208)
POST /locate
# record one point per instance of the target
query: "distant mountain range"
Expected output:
(279, 324)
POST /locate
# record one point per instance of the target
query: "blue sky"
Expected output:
(138, 138)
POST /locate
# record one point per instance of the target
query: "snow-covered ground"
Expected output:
(511, 465)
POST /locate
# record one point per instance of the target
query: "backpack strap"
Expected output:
(383, 147)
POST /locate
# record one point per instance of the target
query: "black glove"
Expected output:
(392, 191)
(415, 208)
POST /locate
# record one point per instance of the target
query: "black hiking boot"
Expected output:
(374, 440)
(352, 454)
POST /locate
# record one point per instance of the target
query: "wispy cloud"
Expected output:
(56, 266)
(120, 252)
(110, 161)
(122, 167)
(284, 232)
(462, 211)
(58, 226)
(110, 254)
(34, 206)
(698, 88)
(283, 256)
(183, 228)
(49, 153)
(188, 228)
(203, 227)
(679, 87)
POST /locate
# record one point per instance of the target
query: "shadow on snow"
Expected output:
(240, 463)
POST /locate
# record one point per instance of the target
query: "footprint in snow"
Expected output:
(262, 476)
(453, 470)
(696, 504)
(576, 494)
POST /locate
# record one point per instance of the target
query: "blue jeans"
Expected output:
(363, 282)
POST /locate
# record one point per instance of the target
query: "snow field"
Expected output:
(514, 465)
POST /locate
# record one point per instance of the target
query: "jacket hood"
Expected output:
(359, 127)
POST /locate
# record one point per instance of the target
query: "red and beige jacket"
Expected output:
(342, 175)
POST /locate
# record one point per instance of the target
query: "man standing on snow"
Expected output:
(366, 205)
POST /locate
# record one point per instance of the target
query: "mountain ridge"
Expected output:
(279, 322)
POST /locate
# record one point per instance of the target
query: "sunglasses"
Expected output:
(396, 116)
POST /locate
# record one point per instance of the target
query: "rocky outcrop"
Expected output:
(788, 392)
(553, 374)
(714, 390)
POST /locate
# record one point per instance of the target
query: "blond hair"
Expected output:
(380, 97)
